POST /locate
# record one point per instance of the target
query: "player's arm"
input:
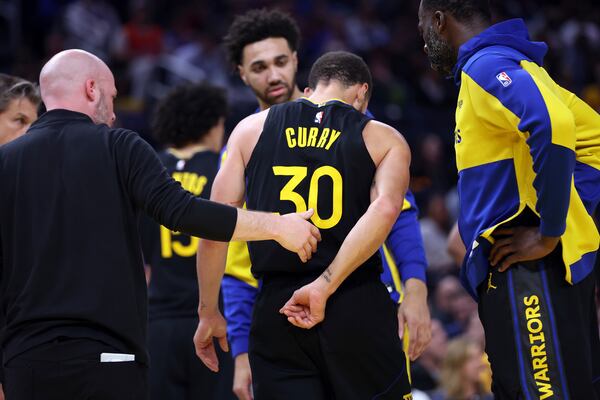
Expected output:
(391, 155)
(405, 244)
(549, 128)
(238, 300)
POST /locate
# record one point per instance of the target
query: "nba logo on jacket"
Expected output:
(504, 79)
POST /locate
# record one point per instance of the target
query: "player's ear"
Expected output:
(362, 98)
(439, 21)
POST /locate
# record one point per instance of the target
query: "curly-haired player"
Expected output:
(262, 44)
(190, 123)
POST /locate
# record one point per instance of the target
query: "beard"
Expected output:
(442, 56)
(102, 115)
(270, 99)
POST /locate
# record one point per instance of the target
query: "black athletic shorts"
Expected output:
(541, 332)
(355, 353)
(176, 373)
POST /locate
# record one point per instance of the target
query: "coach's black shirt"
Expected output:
(70, 259)
(310, 156)
(173, 289)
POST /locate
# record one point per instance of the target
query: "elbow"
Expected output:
(388, 206)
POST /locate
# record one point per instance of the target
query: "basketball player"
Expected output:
(326, 154)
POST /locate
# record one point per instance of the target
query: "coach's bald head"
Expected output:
(79, 81)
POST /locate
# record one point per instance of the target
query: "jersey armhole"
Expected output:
(254, 153)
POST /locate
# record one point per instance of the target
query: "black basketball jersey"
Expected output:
(310, 156)
(173, 290)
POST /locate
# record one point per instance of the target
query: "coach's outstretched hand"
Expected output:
(296, 234)
(211, 326)
(306, 307)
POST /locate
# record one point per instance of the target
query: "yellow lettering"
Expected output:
(302, 136)
(545, 390)
(166, 251)
(323, 138)
(538, 351)
(198, 186)
(540, 363)
(531, 300)
(289, 135)
(334, 135)
(312, 137)
(530, 325)
(532, 312)
(186, 250)
(313, 194)
(534, 338)
(542, 375)
(287, 193)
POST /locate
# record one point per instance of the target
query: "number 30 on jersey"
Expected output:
(298, 174)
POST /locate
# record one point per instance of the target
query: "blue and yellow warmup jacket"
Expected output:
(403, 257)
(522, 141)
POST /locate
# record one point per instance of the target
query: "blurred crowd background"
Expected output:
(155, 45)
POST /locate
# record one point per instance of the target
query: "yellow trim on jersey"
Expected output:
(394, 272)
(186, 153)
(405, 342)
(325, 102)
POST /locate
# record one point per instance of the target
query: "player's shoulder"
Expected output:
(495, 65)
(251, 123)
(378, 129)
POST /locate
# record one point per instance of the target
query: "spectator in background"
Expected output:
(143, 44)
(446, 289)
(19, 101)
(93, 26)
(434, 228)
(460, 377)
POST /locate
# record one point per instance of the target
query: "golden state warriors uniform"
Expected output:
(314, 156)
(528, 154)
(173, 295)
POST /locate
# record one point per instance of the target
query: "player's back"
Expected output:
(173, 289)
(310, 156)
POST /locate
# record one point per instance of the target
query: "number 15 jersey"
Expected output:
(310, 156)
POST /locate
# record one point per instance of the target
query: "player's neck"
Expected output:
(330, 92)
(187, 152)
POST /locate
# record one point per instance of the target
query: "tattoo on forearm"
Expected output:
(327, 275)
(202, 305)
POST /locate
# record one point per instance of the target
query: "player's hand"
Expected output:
(211, 325)
(414, 314)
(519, 244)
(242, 378)
(296, 234)
(306, 307)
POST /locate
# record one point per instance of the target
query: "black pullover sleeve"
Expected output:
(162, 198)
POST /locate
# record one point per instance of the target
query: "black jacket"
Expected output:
(70, 261)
